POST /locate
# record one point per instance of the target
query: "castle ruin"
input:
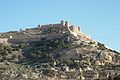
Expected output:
(34, 34)
(61, 24)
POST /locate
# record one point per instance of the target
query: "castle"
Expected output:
(34, 34)
(61, 24)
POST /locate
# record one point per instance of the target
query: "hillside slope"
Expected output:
(56, 52)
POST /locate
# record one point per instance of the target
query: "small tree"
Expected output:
(101, 46)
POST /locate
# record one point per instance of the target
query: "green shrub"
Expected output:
(60, 44)
(101, 46)
(5, 49)
(48, 73)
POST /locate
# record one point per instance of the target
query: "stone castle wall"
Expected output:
(50, 25)
(25, 40)
(72, 28)
(61, 24)
(33, 39)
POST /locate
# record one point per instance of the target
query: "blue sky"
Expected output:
(98, 18)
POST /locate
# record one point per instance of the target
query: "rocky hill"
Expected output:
(56, 52)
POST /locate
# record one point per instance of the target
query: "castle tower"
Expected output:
(66, 23)
(79, 28)
(62, 23)
(39, 26)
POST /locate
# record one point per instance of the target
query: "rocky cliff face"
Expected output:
(56, 53)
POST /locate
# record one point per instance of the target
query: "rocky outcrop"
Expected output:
(4, 40)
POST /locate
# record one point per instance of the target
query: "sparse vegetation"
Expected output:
(49, 73)
(101, 46)
(55, 52)
(5, 52)
(5, 49)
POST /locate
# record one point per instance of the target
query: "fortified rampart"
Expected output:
(33, 39)
(74, 29)
(61, 24)
(33, 34)
(25, 40)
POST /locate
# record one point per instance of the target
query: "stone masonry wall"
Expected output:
(61, 24)
(72, 28)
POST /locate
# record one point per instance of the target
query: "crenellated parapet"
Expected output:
(35, 34)
(61, 24)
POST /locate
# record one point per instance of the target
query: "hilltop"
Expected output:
(54, 52)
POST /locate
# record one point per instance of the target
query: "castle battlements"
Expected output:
(37, 33)
(61, 24)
